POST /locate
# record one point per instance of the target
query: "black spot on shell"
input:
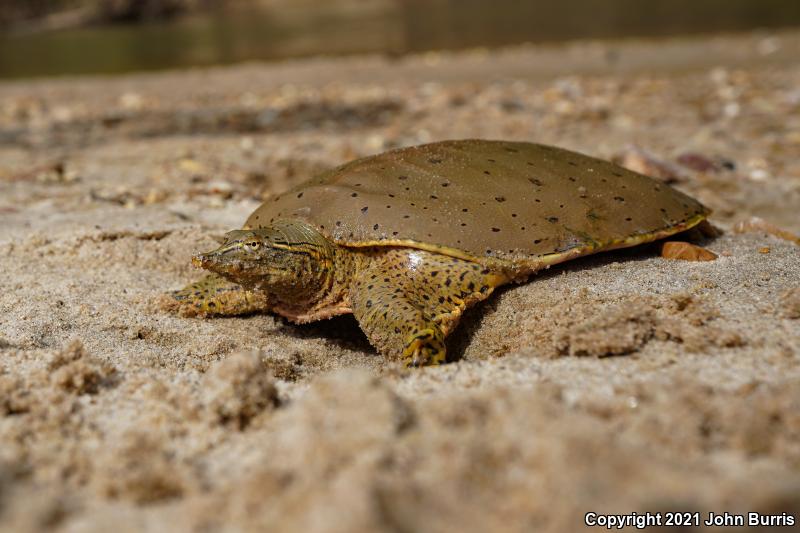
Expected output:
(434, 160)
(364, 209)
(338, 223)
(402, 177)
(619, 198)
(571, 178)
(487, 172)
(535, 181)
(617, 174)
(537, 241)
(354, 194)
(375, 226)
(445, 184)
(552, 219)
(495, 230)
(500, 199)
(299, 195)
(513, 215)
(628, 219)
(572, 163)
(491, 160)
(512, 150)
(434, 197)
(465, 210)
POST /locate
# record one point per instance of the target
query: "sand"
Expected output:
(618, 383)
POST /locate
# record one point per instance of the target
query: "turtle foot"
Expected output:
(425, 348)
(214, 296)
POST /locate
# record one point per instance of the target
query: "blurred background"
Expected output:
(53, 37)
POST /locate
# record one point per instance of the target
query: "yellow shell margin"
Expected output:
(527, 266)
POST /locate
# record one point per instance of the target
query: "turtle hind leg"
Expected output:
(397, 327)
(213, 295)
(407, 301)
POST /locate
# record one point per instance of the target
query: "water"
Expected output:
(374, 26)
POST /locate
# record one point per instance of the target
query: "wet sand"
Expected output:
(617, 383)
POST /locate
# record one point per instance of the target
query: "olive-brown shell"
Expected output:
(506, 200)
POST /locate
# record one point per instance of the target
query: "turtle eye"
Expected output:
(252, 245)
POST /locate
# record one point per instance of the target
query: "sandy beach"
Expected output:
(618, 383)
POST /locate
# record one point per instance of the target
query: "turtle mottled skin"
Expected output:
(408, 239)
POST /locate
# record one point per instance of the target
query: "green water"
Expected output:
(391, 27)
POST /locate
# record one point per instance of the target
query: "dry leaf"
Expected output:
(686, 251)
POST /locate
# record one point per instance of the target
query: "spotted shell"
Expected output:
(528, 204)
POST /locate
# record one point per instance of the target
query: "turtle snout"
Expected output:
(219, 261)
(208, 260)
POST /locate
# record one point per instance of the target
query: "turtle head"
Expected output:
(289, 259)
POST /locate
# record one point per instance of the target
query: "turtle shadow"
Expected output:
(342, 331)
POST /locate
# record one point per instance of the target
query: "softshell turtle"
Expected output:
(408, 239)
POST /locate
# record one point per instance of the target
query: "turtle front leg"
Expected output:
(214, 295)
(407, 301)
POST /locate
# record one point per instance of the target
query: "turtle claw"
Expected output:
(426, 348)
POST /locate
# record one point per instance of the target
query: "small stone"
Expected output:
(639, 160)
(756, 225)
(698, 162)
